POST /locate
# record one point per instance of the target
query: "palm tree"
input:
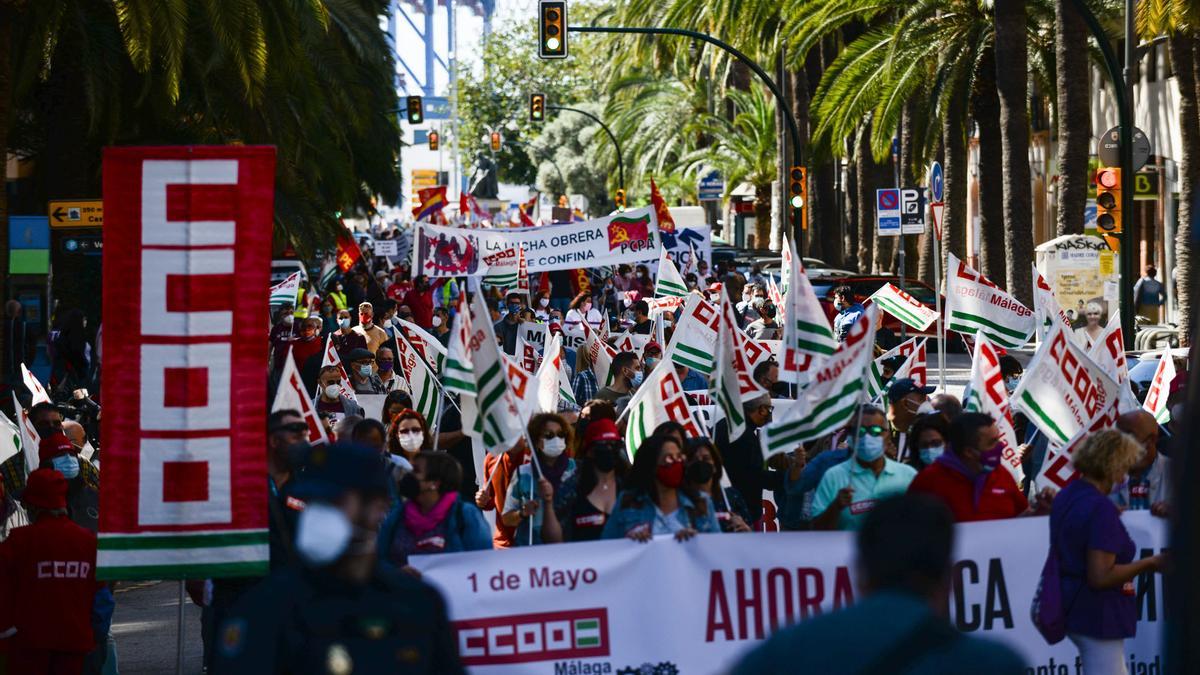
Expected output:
(1012, 68)
(1074, 121)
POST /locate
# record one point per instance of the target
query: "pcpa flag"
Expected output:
(1160, 389)
(292, 395)
(1109, 353)
(1046, 310)
(1064, 391)
(553, 385)
(331, 358)
(807, 336)
(829, 402)
(976, 305)
(670, 283)
(904, 307)
(694, 343)
(284, 292)
(659, 399)
(986, 394)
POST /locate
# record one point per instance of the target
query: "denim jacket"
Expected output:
(463, 529)
(642, 514)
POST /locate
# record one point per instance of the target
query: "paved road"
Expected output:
(144, 627)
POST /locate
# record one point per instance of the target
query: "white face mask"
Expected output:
(410, 441)
(332, 391)
(926, 408)
(544, 302)
(437, 321)
(343, 323)
(553, 447)
(322, 533)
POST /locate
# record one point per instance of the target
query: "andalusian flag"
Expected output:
(670, 283)
(694, 342)
(284, 293)
(329, 271)
(904, 307)
(659, 399)
(807, 335)
(830, 402)
(976, 305)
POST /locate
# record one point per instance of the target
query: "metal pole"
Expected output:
(793, 130)
(430, 7)
(937, 301)
(900, 238)
(179, 633)
(617, 145)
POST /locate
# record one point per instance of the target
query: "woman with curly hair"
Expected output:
(529, 503)
(657, 499)
(408, 435)
(1096, 554)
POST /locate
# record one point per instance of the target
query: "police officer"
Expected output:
(342, 610)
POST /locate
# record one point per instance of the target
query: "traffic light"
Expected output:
(433, 140)
(1108, 201)
(552, 29)
(416, 110)
(798, 192)
(495, 141)
(537, 107)
(619, 198)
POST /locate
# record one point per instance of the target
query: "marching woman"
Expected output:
(530, 501)
(588, 496)
(408, 435)
(581, 310)
(926, 440)
(703, 472)
(432, 517)
(657, 500)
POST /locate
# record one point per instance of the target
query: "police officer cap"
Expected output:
(333, 470)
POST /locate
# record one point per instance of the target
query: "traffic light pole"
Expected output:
(793, 131)
(1125, 125)
(620, 161)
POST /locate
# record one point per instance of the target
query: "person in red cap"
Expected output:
(56, 451)
(586, 498)
(48, 573)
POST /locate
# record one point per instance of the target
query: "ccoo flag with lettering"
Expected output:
(975, 305)
(1109, 353)
(1160, 389)
(419, 376)
(284, 293)
(829, 402)
(731, 382)
(659, 399)
(331, 358)
(291, 394)
(807, 336)
(1046, 309)
(914, 367)
(553, 386)
(986, 394)
(694, 342)
(187, 262)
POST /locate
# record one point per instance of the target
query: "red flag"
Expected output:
(348, 253)
(665, 222)
(525, 209)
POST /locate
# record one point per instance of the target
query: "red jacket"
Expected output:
(421, 304)
(999, 498)
(48, 585)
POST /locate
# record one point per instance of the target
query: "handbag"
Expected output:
(1047, 612)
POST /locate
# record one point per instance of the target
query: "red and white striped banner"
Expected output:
(186, 270)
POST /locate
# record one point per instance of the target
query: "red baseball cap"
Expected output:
(53, 446)
(45, 489)
(602, 429)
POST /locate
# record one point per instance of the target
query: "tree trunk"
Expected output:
(925, 259)
(762, 216)
(851, 215)
(985, 104)
(954, 139)
(1181, 48)
(864, 165)
(1074, 120)
(1012, 69)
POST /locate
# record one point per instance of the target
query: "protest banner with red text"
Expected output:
(187, 250)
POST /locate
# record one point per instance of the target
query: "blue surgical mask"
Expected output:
(67, 465)
(929, 455)
(365, 370)
(513, 308)
(636, 380)
(1010, 383)
(868, 448)
(651, 362)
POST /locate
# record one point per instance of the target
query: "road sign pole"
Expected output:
(937, 298)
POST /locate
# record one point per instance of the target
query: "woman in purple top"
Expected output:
(1095, 554)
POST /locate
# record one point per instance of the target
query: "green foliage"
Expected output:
(567, 155)
(743, 149)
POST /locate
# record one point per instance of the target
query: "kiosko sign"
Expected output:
(188, 241)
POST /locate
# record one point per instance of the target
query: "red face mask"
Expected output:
(670, 475)
(364, 319)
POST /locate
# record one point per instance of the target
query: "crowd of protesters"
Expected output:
(400, 485)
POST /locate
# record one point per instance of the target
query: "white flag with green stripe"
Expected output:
(732, 383)
(975, 305)
(914, 367)
(429, 347)
(329, 270)
(599, 353)
(475, 369)
(1046, 310)
(830, 401)
(986, 394)
(1064, 391)
(659, 399)
(670, 283)
(807, 336)
(284, 292)
(694, 343)
(1160, 389)
(503, 269)
(553, 386)
(422, 381)
(904, 307)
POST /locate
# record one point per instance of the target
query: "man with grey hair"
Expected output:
(1148, 487)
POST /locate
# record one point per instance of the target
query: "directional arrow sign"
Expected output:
(76, 213)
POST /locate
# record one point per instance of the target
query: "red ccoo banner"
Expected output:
(187, 242)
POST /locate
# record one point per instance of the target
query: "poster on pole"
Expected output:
(188, 232)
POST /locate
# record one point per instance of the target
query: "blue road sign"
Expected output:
(937, 181)
(889, 199)
(710, 187)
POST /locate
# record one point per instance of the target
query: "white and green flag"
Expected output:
(830, 401)
(329, 270)
(599, 353)
(419, 376)
(1109, 353)
(10, 438)
(807, 336)
(904, 307)
(1046, 310)
(503, 268)
(659, 399)
(670, 283)
(986, 394)
(475, 370)
(429, 347)
(914, 367)
(732, 382)
(975, 305)
(284, 292)
(553, 386)
(694, 343)
(1160, 389)
(1063, 391)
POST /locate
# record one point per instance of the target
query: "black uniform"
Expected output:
(301, 621)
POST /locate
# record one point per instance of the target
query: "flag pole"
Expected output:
(937, 298)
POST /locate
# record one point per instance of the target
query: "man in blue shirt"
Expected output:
(848, 311)
(899, 625)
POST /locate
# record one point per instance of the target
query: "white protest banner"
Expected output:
(617, 606)
(830, 401)
(386, 248)
(1109, 353)
(293, 395)
(904, 307)
(1062, 390)
(806, 331)
(669, 283)
(976, 305)
(35, 387)
(628, 237)
(331, 358)
(533, 333)
(1046, 310)
(1160, 389)
(659, 399)
(694, 343)
(372, 405)
(986, 394)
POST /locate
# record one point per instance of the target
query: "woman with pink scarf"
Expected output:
(430, 517)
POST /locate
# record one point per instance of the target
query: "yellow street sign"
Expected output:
(76, 213)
